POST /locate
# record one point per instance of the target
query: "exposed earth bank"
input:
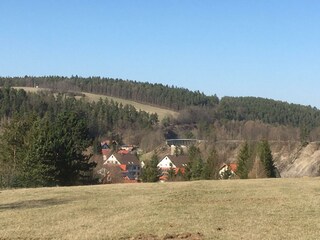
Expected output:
(292, 159)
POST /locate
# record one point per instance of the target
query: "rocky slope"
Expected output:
(298, 161)
(292, 159)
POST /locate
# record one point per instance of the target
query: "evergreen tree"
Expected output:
(304, 134)
(171, 173)
(38, 166)
(56, 152)
(13, 143)
(211, 167)
(267, 159)
(187, 172)
(97, 149)
(243, 161)
(71, 139)
(151, 172)
(179, 176)
(196, 163)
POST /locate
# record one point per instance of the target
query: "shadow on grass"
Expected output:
(33, 204)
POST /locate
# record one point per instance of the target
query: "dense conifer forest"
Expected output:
(268, 111)
(171, 97)
(103, 116)
(156, 94)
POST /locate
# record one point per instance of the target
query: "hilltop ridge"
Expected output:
(196, 105)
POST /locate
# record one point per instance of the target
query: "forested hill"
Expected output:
(196, 106)
(101, 117)
(154, 94)
(269, 111)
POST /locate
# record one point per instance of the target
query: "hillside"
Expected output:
(269, 111)
(175, 98)
(236, 209)
(162, 112)
(179, 99)
(300, 161)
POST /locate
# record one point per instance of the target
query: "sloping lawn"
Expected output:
(231, 209)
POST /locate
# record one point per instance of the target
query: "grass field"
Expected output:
(231, 209)
(162, 112)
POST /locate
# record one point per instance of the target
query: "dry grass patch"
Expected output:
(237, 209)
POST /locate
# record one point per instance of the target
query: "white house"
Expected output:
(166, 163)
(112, 160)
(177, 162)
(232, 167)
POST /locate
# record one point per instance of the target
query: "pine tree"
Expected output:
(56, 152)
(70, 137)
(267, 159)
(187, 172)
(97, 149)
(171, 173)
(196, 163)
(151, 172)
(179, 176)
(211, 167)
(243, 160)
(13, 143)
(38, 165)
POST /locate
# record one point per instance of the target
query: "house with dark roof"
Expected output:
(178, 163)
(129, 164)
(105, 148)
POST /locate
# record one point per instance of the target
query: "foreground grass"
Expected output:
(162, 112)
(236, 209)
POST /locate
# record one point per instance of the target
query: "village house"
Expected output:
(227, 171)
(178, 163)
(128, 163)
(105, 148)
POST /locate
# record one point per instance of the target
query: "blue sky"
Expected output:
(266, 48)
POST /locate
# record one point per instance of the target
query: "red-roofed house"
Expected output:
(105, 148)
(178, 163)
(129, 164)
(230, 168)
(122, 151)
(105, 152)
